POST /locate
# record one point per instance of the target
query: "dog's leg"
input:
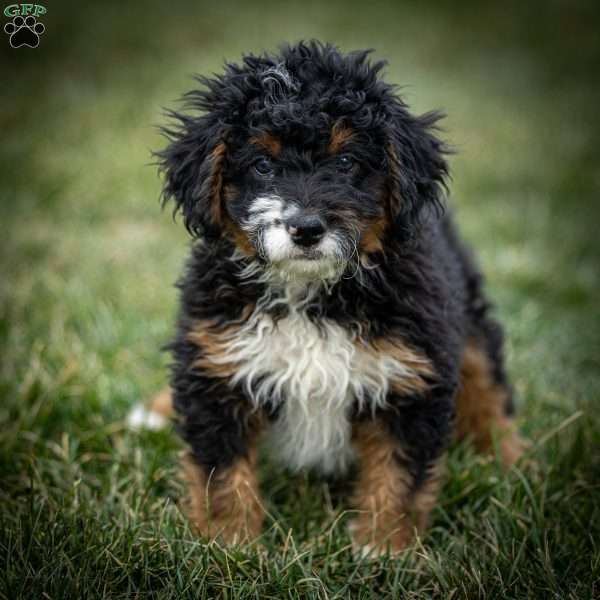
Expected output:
(224, 502)
(223, 496)
(484, 406)
(394, 494)
(222, 430)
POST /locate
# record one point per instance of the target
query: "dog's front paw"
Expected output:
(231, 529)
(511, 449)
(225, 506)
(372, 540)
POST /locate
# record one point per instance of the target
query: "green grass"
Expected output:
(88, 509)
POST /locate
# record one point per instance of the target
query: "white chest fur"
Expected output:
(315, 374)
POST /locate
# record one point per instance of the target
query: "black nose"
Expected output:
(305, 230)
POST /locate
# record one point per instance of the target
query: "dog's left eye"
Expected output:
(264, 167)
(344, 163)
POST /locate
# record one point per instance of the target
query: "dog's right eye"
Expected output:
(264, 167)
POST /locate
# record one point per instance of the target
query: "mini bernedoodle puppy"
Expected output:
(328, 306)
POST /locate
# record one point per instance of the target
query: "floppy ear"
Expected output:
(417, 169)
(193, 165)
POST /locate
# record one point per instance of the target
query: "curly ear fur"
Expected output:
(193, 165)
(416, 167)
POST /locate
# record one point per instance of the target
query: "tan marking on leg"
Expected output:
(340, 135)
(162, 403)
(224, 504)
(390, 511)
(269, 142)
(480, 408)
(418, 365)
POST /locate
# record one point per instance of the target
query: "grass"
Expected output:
(88, 509)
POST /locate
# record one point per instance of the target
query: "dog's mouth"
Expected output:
(308, 254)
(306, 268)
(317, 263)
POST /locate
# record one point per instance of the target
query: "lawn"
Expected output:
(88, 509)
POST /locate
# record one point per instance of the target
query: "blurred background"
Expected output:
(88, 259)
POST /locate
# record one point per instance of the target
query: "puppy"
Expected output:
(328, 306)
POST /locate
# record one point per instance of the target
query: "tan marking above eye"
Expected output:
(268, 142)
(340, 136)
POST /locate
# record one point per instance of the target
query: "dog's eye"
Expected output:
(264, 167)
(344, 163)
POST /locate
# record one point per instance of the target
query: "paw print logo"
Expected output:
(24, 31)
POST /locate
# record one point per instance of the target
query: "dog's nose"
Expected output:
(306, 230)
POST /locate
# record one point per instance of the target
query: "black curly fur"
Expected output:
(422, 288)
